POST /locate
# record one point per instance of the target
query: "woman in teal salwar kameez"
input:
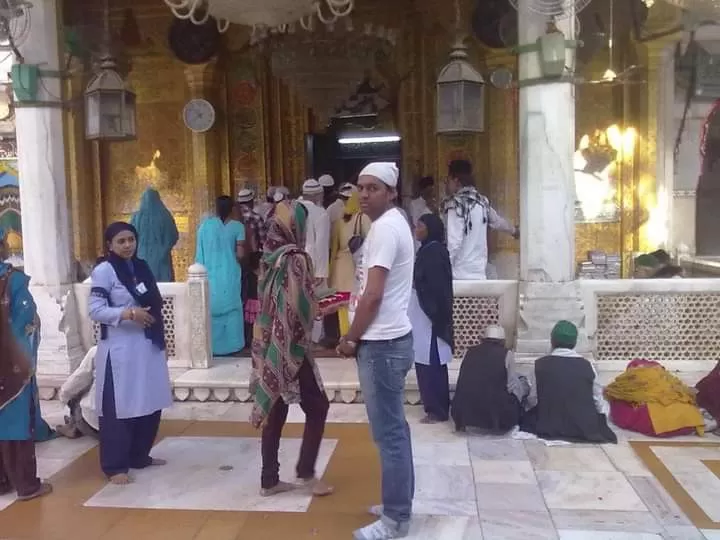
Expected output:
(20, 421)
(220, 244)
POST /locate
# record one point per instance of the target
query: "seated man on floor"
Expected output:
(489, 392)
(566, 399)
(78, 393)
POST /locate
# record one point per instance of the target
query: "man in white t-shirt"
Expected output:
(381, 338)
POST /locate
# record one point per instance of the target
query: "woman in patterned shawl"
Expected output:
(284, 370)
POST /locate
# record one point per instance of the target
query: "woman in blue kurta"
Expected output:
(220, 245)
(131, 372)
(20, 421)
(157, 235)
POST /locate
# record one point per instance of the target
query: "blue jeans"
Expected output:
(382, 367)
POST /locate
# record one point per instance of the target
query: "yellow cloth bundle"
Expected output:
(670, 402)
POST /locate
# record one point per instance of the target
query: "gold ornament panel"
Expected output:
(156, 159)
(246, 122)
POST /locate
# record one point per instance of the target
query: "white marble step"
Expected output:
(228, 379)
(232, 376)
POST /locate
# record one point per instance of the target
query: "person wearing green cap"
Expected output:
(566, 401)
(645, 266)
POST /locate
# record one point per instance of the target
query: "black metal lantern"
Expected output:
(460, 95)
(109, 106)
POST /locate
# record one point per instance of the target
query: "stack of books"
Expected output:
(600, 265)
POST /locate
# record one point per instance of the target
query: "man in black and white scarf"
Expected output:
(467, 216)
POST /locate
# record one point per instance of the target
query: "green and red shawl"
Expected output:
(281, 335)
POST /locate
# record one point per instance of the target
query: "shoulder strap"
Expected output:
(357, 228)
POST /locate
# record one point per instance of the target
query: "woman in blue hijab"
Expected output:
(157, 235)
(20, 422)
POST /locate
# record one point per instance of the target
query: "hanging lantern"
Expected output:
(109, 106)
(552, 53)
(460, 95)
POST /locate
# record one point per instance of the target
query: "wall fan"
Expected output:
(554, 9)
(494, 23)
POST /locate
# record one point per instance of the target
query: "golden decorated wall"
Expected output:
(259, 138)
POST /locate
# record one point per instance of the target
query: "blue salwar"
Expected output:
(125, 442)
(216, 251)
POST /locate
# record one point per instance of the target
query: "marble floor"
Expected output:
(468, 487)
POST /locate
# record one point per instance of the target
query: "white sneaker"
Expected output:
(381, 530)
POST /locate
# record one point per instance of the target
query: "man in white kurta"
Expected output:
(467, 216)
(317, 242)
(79, 391)
(336, 209)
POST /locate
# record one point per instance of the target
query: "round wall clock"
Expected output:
(199, 115)
(194, 43)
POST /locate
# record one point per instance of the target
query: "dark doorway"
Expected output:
(344, 161)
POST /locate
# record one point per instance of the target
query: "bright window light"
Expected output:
(369, 140)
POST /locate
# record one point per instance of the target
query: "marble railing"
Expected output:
(478, 304)
(186, 315)
(674, 321)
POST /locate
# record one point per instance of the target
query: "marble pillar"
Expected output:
(47, 234)
(548, 291)
(200, 317)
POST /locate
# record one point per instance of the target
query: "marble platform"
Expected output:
(468, 486)
(228, 379)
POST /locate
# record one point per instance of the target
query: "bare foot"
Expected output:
(157, 462)
(122, 479)
(44, 489)
(317, 486)
(280, 487)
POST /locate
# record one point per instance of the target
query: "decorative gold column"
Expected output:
(204, 152)
(417, 55)
(84, 212)
(504, 188)
(649, 209)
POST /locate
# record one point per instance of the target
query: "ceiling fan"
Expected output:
(612, 77)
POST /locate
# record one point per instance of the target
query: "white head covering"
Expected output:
(347, 189)
(312, 187)
(326, 181)
(495, 332)
(276, 193)
(245, 195)
(385, 171)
